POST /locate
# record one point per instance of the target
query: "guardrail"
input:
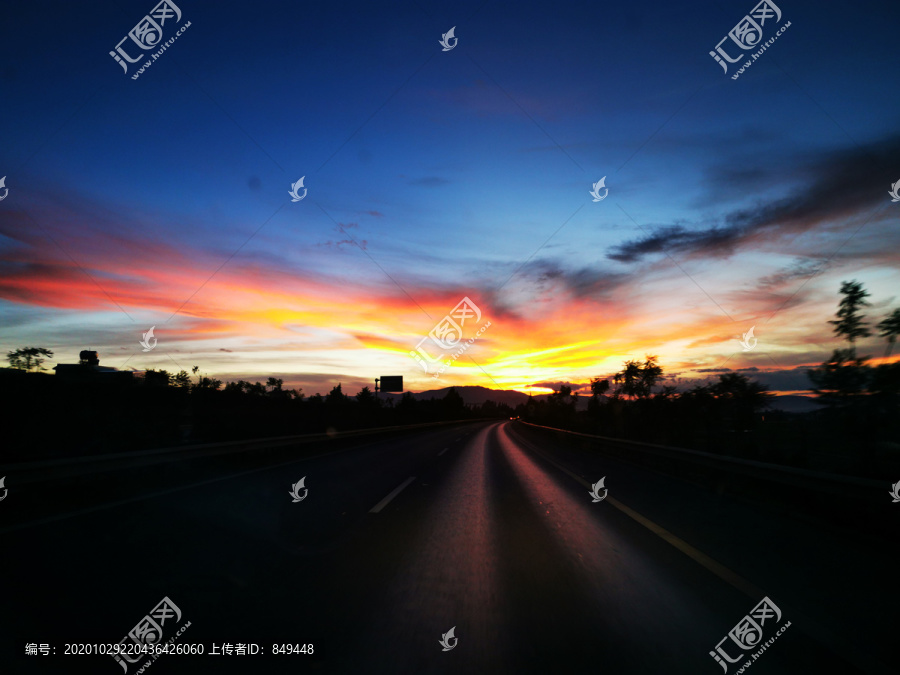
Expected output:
(724, 470)
(29, 472)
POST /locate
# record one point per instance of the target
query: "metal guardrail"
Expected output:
(864, 489)
(29, 472)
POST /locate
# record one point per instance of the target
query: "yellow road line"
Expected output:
(824, 636)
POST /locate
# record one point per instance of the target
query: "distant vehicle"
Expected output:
(513, 418)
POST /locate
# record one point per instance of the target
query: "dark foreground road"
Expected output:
(485, 527)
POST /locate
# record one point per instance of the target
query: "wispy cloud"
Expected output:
(832, 186)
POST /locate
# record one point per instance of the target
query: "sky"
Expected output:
(434, 175)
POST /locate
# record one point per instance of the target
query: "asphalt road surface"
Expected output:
(487, 528)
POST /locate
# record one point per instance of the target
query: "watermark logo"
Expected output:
(748, 34)
(149, 631)
(448, 334)
(445, 40)
(145, 343)
(747, 340)
(445, 640)
(895, 189)
(595, 491)
(895, 494)
(148, 35)
(6, 189)
(748, 634)
(295, 197)
(295, 491)
(595, 193)
(5, 490)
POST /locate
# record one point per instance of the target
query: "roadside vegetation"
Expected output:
(856, 431)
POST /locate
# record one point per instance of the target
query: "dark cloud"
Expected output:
(835, 185)
(584, 282)
(362, 243)
(671, 238)
(799, 269)
(342, 228)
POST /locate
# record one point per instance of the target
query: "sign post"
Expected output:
(389, 383)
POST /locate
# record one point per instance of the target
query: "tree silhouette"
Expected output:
(204, 382)
(842, 379)
(160, 378)
(850, 324)
(235, 387)
(255, 389)
(182, 380)
(407, 404)
(741, 396)
(278, 391)
(366, 398)
(599, 387)
(28, 358)
(651, 373)
(336, 396)
(628, 378)
(638, 379)
(563, 396)
(453, 402)
(889, 328)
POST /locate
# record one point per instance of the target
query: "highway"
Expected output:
(484, 527)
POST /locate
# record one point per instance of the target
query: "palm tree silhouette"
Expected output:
(890, 329)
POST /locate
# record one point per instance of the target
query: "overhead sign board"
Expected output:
(392, 383)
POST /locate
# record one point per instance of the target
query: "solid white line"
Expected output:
(443, 451)
(384, 502)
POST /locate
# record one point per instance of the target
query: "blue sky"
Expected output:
(436, 175)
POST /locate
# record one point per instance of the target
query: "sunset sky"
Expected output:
(434, 176)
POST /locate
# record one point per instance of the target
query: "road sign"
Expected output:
(391, 383)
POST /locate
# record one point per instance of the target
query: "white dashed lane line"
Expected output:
(396, 491)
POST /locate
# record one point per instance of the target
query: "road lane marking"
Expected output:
(716, 568)
(443, 451)
(825, 636)
(56, 517)
(384, 502)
